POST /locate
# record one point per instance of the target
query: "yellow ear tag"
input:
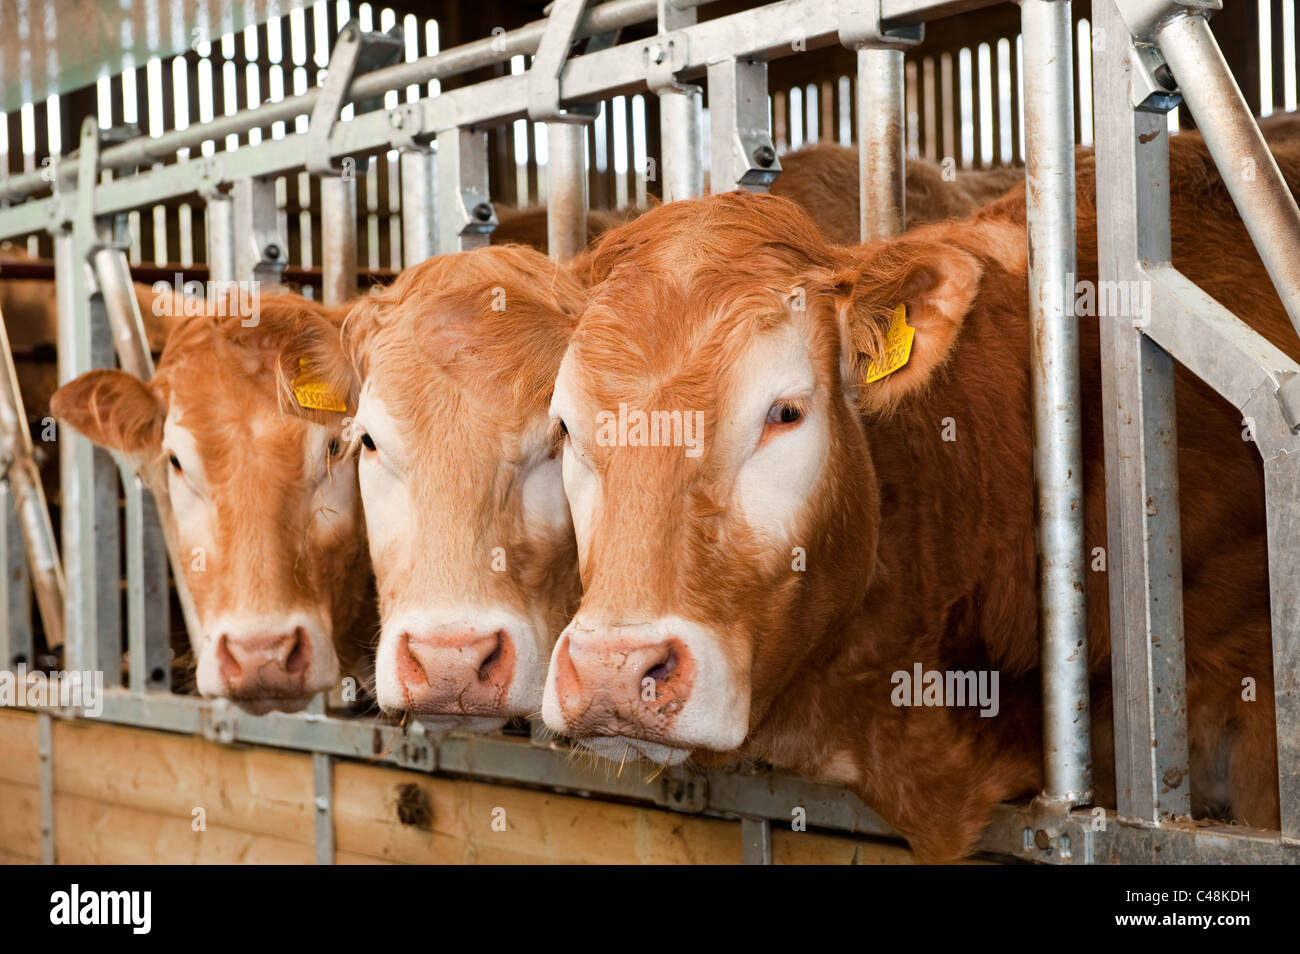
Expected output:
(898, 346)
(313, 394)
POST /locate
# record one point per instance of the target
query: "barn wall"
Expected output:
(129, 796)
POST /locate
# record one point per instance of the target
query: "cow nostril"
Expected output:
(485, 667)
(664, 669)
(229, 666)
(300, 654)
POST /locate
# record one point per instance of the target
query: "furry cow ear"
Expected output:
(114, 409)
(316, 375)
(901, 310)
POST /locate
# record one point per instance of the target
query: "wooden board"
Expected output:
(128, 796)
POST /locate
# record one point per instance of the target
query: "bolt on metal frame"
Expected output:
(446, 208)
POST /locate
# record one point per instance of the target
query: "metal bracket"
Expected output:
(1288, 395)
(545, 76)
(355, 52)
(213, 183)
(217, 722)
(664, 56)
(863, 29)
(412, 749)
(407, 122)
(683, 793)
(1153, 87)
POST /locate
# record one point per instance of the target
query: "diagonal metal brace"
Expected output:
(355, 52)
(545, 76)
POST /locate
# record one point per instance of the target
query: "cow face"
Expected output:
(712, 570)
(265, 511)
(469, 530)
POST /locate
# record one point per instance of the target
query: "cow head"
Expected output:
(717, 555)
(469, 530)
(266, 516)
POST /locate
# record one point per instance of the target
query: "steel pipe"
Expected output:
(566, 174)
(1054, 376)
(338, 225)
(882, 194)
(681, 121)
(419, 205)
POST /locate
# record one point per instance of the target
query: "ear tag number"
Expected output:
(898, 346)
(314, 394)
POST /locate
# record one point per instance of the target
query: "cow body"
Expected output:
(773, 589)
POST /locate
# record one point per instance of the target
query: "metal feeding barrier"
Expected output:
(446, 208)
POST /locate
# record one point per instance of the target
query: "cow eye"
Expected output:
(368, 442)
(333, 448)
(784, 412)
(176, 463)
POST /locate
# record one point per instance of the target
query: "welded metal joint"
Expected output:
(1146, 18)
(355, 52)
(863, 29)
(546, 74)
(1288, 396)
(1154, 87)
(665, 55)
(740, 138)
(413, 749)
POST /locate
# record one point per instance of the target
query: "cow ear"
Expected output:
(114, 409)
(317, 379)
(901, 309)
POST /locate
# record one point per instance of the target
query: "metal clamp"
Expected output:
(863, 29)
(217, 722)
(412, 749)
(355, 52)
(664, 56)
(545, 76)
(683, 793)
(407, 122)
(1153, 87)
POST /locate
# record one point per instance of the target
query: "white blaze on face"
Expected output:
(384, 494)
(581, 488)
(188, 489)
(332, 485)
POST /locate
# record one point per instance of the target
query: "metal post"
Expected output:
(740, 142)
(338, 220)
(757, 836)
(465, 215)
(221, 237)
(1054, 360)
(1248, 169)
(1144, 565)
(323, 783)
(259, 244)
(681, 108)
(16, 644)
(883, 196)
(419, 205)
(45, 755)
(566, 208)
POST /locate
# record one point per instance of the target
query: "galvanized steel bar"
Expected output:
(322, 771)
(1144, 565)
(465, 214)
(338, 225)
(1244, 161)
(756, 835)
(16, 642)
(566, 201)
(260, 250)
(880, 122)
(740, 143)
(419, 204)
(220, 229)
(681, 108)
(1054, 361)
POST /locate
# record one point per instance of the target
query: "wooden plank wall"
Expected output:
(131, 796)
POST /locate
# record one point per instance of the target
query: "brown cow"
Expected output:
(267, 517)
(469, 531)
(771, 587)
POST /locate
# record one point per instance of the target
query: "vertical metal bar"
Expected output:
(681, 121)
(465, 215)
(882, 204)
(1282, 495)
(221, 237)
(323, 782)
(1248, 169)
(1141, 438)
(45, 754)
(338, 221)
(1054, 359)
(260, 250)
(148, 613)
(566, 175)
(419, 205)
(16, 644)
(740, 141)
(757, 836)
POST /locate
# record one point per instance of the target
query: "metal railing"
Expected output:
(446, 208)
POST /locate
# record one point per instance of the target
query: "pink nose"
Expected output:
(610, 686)
(265, 665)
(456, 673)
